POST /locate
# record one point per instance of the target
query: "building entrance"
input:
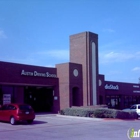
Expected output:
(40, 98)
(113, 101)
(75, 97)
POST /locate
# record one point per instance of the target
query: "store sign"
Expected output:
(35, 73)
(116, 87)
(136, 86)
(6, 98)
(136, 91)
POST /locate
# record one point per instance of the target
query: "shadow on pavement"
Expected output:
(38, 122)
(35, 122)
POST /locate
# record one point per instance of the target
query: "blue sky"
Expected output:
(36, 32)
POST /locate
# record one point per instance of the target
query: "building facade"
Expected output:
(118, 95)
(75, 83)
(37, 86)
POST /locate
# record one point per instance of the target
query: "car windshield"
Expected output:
(133, 107)
(25, 107)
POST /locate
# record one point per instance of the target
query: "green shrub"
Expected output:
(98, 113)
(104, 113)
(112, 113)
(82, 112)
(126, 115)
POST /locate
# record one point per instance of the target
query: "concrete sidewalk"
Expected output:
(77, 117)
(48, 114)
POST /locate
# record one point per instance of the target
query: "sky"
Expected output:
(36, 32)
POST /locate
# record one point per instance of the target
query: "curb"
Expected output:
(115, 119)
(77, 117)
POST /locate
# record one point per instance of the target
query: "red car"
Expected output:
(16, 112)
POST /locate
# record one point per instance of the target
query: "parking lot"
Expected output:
(56, 127)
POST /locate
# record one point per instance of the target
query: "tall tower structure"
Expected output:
(84, 50)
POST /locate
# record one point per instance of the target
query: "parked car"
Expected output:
(135, 107)
(14, 113)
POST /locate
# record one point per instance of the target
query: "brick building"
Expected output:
(75, 83)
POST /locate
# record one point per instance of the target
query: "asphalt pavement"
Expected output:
(58, 127)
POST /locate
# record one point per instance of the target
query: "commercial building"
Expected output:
(118, 95)
(37, 86)
(75, 83)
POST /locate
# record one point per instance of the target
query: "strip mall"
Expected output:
(75, 83)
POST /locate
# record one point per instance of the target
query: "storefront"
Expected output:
(69, 84)
(118, 95)
(34, 85)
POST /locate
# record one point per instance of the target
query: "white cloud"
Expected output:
(114, 72)
(111, 57)
(136, 69)
(43, 58)
(51, 66)
(118, 56)
(59, 54)
(138, 53)
(2, 34)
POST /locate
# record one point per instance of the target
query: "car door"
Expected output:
(3, 113)
(11, 111)
(133, 108)
(138, 110)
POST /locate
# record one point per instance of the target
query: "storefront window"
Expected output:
(121, 102)
(108, 101)
(113, 101)
(1, 96)
(126, 102)
(134, 100)
(131, 100)
(138, 99)
(6, 94)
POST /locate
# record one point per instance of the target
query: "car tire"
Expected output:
(12, 121)
(30, 121)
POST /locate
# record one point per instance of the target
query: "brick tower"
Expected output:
(84, 50)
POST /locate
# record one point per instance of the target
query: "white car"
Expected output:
(135, 107)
